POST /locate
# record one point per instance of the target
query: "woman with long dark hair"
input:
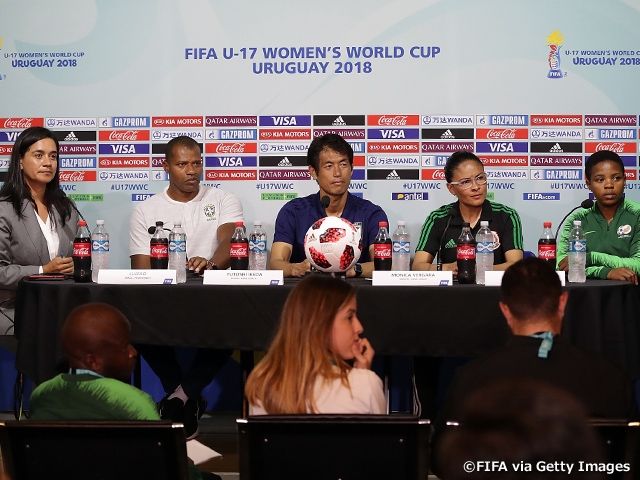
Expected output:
(317, 363)
(37, 221)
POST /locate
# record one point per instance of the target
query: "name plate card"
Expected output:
(494, 279)
(413, 279)
(243, 277)
(136, 277)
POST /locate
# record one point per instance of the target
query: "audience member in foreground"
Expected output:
(317, 363)
(533, 304)
(97, 339)
(530, 429)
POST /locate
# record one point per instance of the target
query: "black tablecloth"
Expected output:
(460, 320)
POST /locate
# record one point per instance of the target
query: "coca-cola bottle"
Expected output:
(382, 258)
(547, 245)
(159, 248)
(466, 255)
(82, 253)
(239, 250)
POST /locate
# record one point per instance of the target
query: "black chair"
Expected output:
(346, 447)
(93, 449)
(620, 441)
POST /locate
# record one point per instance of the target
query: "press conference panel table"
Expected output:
(460, 320)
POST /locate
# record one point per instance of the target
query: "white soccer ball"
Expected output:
(332, 244)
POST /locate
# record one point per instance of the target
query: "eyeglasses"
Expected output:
(465, 183)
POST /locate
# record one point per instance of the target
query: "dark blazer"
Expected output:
(23, 248)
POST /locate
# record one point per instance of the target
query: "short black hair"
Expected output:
(455, 160)
(599, 157)
(331, 141)
(531, 287)
(181, 141)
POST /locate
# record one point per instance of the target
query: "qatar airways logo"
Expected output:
(23, 122)
(505, 133)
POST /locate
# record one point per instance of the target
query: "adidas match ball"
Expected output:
(332, 244)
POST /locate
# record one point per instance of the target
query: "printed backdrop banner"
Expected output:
(533, 87)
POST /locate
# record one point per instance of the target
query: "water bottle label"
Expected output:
(484, 247)
(100, 245)
(402, 247)
(178, 246)
(578, 246)
(258, 246)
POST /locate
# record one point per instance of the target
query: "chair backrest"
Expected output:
(621, 445)
(347, 447)
(93, 449)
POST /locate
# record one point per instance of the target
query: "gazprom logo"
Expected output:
(556, 174)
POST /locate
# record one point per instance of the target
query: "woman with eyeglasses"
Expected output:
(467, 180)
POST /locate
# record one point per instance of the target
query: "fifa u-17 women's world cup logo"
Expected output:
(555, 40)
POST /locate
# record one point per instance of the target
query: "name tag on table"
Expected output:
(494, 279)
(243, 277)
(136, 277)
(429, 278)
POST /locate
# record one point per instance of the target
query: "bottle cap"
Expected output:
(159, 224)
(402, 223)
(177, 223)
(82, 223)
(546, 224)
(577, 223)
(257, 223)
(239, 224)
(466, 225)
(484, 223)
(99, 222)
(382, 224)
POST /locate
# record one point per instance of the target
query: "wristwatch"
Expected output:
(357, 268)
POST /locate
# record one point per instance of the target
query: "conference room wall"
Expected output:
(475, 64)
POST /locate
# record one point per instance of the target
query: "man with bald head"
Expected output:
(96, 338)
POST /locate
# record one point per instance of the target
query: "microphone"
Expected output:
(325, 201)
(59, 193)
(588, 203)
(152, 229)
(439, 262)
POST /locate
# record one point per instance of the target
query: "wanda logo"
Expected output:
(617, 147)
(129, 135)
(230, 148)
(18, 123)
(72, 176)
(498, 134)
(393, 121)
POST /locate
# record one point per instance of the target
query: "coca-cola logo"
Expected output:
(393, 121)
(81, 249)
(547, 252)
(77, 176)
(18, 123)
(466, 252)
(230, 148)
(506, 133)
(382, 250)
(129, 135)
(159, 251)
(239, 250)
(617, 147)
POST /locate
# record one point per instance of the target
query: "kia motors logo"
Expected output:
(617, 147)
(230, 148)
(501, 133)
(126, 136)
(393, 121)
(18, 123)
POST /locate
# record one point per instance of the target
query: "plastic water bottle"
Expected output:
(159, 248)
(82, 254)
(577, 253)
(178, 251)
(99, 250)
(401, 245)
(484, 252)
(239, 248)
(547, 245)
(258, 247)
(466, 255)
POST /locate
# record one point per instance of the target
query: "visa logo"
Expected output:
(502, 147)
(9, 136)
(286, 120)
(124, 148)
(231, 162)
